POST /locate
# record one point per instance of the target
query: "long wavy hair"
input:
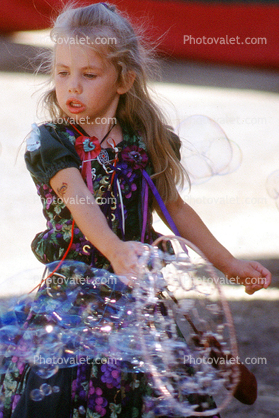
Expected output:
(136, 109)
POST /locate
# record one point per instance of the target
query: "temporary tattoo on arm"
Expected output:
(62, 190)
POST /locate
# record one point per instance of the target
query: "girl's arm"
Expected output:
(191, 227)
(69, 185)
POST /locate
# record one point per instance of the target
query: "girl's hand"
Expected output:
(250, 274)
(124, 260)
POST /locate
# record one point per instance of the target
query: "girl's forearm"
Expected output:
(69, 186)
(94, 226)
(191, 227)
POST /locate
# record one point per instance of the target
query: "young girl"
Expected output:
(92, 166)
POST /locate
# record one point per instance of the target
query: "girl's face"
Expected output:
(86, 87)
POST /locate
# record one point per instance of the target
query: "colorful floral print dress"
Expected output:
(88, 390)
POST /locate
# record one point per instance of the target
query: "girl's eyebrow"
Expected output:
(61, 65)
(88, 67)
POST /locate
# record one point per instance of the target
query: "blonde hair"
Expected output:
(136, 109)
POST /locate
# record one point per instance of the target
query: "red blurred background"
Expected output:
(175, 19)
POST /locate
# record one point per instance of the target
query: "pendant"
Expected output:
(88, 145)
(103, 157)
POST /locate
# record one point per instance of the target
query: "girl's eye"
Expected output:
(90, 75)
(63, 73)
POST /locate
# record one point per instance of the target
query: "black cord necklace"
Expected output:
(107, 134)
(85, 135)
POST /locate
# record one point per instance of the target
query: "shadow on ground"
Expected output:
(26, 58)
(256, 324)
(19, 57)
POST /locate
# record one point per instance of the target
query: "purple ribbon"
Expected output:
(161, 203)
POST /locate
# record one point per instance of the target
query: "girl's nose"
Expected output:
(74, 86)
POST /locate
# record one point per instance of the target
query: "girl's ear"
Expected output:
(127, 83)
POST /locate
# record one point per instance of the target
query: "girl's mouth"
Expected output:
(75, 106)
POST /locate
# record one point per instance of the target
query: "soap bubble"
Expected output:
(198, 310)
(173, 324)
(46, 389)
(272, 186)
(36, 395)
(81, 410)
(206, 151)
(45, 371)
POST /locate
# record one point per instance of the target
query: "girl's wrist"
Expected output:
(225, 265)
(110, 247)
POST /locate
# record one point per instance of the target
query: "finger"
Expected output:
(265, 274)
(128, 279)
(265, 281)
(250, 289)
(268, 279)
(140, 248)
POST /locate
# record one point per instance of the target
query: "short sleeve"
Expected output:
(48, 151)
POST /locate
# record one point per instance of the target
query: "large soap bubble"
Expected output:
(206, 151)
(191, 327)
(272, 186)
(173, 324)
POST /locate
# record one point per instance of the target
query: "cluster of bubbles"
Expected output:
(206, 151)
(172, 323)
(44, 390)
(272, 185)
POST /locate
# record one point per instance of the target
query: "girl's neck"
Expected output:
(101, 130)
(98, 130)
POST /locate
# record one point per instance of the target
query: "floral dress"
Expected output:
(88, 390)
